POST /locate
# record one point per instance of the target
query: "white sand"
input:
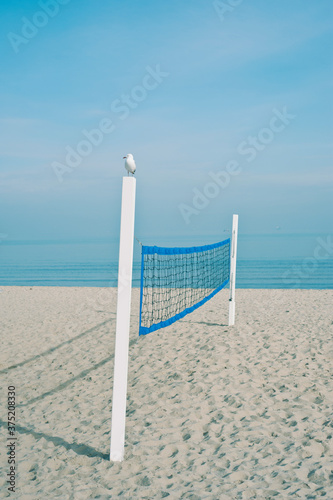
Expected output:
(214, 412)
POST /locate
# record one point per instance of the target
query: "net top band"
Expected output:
(181, 250)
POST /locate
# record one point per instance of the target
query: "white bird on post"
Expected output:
(130, 164)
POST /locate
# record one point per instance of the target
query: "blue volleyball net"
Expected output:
(176, 281)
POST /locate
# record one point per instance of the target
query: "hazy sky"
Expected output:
(226, 107)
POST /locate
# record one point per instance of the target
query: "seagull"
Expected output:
(130, 164)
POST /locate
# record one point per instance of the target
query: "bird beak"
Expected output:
(124, 157)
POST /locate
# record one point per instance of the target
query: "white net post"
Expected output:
(123, 320)
(233, 256)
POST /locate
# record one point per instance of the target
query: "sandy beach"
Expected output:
(213, 412)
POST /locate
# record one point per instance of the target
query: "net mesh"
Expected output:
(175, 281)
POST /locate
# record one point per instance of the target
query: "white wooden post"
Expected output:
(123, 320)
(233, 257)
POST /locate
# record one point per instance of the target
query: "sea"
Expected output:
(263, 261)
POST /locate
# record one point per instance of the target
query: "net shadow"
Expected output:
(52, 349)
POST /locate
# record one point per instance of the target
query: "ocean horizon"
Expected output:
(264, 261)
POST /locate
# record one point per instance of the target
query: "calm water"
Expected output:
(264, 261)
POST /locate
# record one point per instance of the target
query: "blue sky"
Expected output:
(224, 78)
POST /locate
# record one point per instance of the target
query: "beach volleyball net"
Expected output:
(176, 281)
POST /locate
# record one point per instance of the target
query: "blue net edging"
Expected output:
(176, 281)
